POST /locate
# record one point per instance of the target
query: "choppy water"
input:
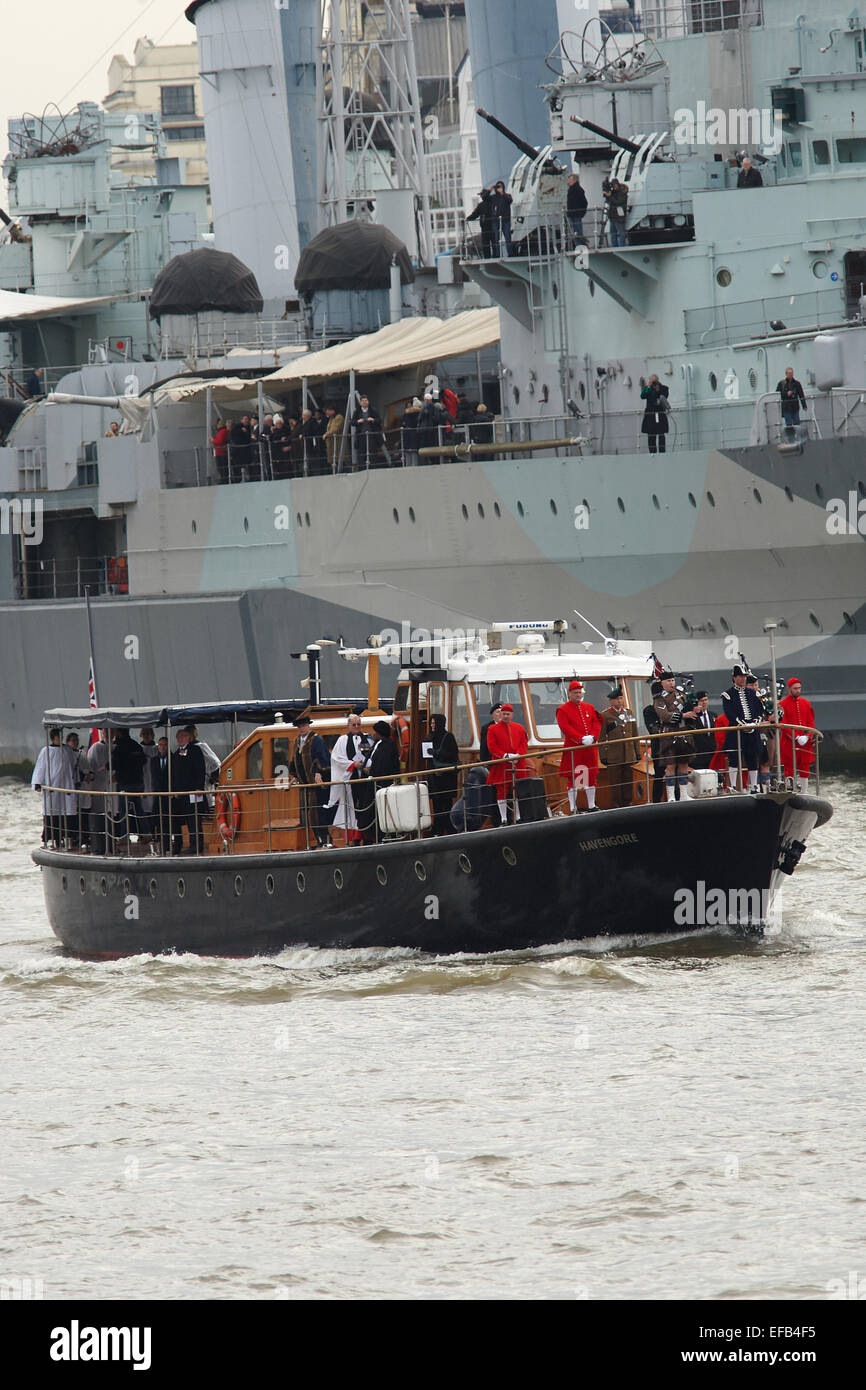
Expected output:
(676, 1121)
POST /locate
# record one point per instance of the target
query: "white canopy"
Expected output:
(43, 306)
(403, 344)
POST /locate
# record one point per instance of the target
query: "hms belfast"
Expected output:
(203, 587)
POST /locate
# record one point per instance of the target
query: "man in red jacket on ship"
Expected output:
(581, 726)
(796, 744)
(507, 740)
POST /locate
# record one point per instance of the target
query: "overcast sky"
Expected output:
(59, 50)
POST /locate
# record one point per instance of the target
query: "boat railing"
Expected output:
(120, 822)
(53, 577)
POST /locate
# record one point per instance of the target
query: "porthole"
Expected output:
(788, 493)
(194, 528)
(723, 277)
(338, 878)
(181, 888)
(497, 511)
(465, 510)
(299, 519)
(465, 863)
(753, 378)
(861, 487)
(127, 887)
(692, 499)
(819, 491)
(819, 269)
(515, 391)
(620, 504)
(849, 622)
(553, 507)
(520, 509)
(103, 887)
(481, 511)
(239, 885)
(508, 855)
(412, 515)
(302, 883)
(153, 888)
(381, 874)
(592, 289)
(585, 506)
(420, 871)
(306, 518)
(685, 625)
(396, 516)
(714, 382)
(269, 885)
(63, 883)
(545, 394)
(711, 499)
(757, 496)
(815, 621)
(581, 390)
(246, 523)
(724, 625)
(82, 886)
(554, 286)
(208, 887)
(656, 503)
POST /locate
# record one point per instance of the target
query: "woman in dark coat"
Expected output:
(655, 414)
(383, 761)
(442, 780)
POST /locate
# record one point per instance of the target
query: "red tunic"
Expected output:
(796, 711)
(507, 738)
(576, 721)
(719, 760)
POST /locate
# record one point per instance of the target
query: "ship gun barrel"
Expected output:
(523, 145)
(609, 135)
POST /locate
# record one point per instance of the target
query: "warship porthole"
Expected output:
(103, 887)
(381, 874)
(714, 381)
(299, 519)
(788, 493)
(306, 518)
(723, 277)
(194, 528)
(520, 509)
(692, 499)
(127, 887)
(861, 487)
(757, 496)
(420, 871)
(656, 503)
(585, 506)
(849, 621)
(753, 378)
(246, 523)
(592, 289)
(63, 883)
(816, 622)
(711, 499)
(819, 269)
(724, 625)
(208, 887)
(819, 491)
(465, 511)
(412, 515)
(553, 506)
(82, 886)
(302, 883)
(515, 391)
(508, 855)
(239, 885)
(496, 509)
(555, 289)
(581, 390)
(152, 888)
(181, 888)
(685, 625)
(338, 878)
(620, 504)
(464, 861)
(396, 516)
(481, 511)
(269, 884)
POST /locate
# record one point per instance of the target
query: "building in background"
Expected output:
(163, 78)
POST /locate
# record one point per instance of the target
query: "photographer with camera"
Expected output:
(675, 718)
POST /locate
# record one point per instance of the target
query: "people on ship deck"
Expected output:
(703, 737)
(367, 427)
(240, 449)
(580, 726)
(78, 824)
(54, 769)
(655, 414)
(445, 762)
(618, 747)
(576, 204)
(103, 806)
(160, 787)
(483, 215)
(676, 750)
(335, 422)
(743, 710)
(507, 741)
(749, 176)
(500, 213)
(311, 767)
(381, 762)
(147, 814)
(495, 716)
(347, 759)
(188, 800)
(127, 759)
(796, 747)
(220, 442)
(792, 398)
(653, 727)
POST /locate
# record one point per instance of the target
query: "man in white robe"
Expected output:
(347, 755)
(54, 776)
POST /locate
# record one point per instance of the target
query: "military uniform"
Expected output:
(618, 757)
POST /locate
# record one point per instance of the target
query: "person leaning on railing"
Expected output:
(188, 774)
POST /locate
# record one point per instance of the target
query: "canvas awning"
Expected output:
(216, 712)
(43, 306)
(408, 343)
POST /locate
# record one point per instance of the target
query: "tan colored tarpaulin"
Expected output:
(404, 344)
(225, 389)
(42, 306)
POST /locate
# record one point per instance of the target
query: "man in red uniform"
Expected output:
(507, 740)
(580, 727)
(797, 744)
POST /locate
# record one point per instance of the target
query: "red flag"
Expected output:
(658, 669)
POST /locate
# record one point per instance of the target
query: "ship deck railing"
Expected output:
(49, 577)
(124, 823)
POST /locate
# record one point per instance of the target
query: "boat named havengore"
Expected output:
(263, 883)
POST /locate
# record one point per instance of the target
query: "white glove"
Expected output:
(802, 738)
(512, 756)
(587, 739)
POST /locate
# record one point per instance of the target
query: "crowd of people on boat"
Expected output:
(160, 796)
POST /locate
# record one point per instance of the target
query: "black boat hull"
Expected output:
(639, 871)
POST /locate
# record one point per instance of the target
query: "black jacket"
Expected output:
(384, 761)
(367, 421)
(500, 206)
(188, 769)
(127, 760)
(750, 178)
(576, 201)
(483, 213)
(791, 391)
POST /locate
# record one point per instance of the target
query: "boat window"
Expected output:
(795, 152)
(254, 761)
(820, 152)
(851, 150)
(435, 698)
(547, 696)
(460, 723)
(501, 693)
(280, 754)
(401, 698)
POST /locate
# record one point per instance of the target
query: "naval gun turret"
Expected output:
(538, 185)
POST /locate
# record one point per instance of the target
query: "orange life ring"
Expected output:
(402, 730)
(228, 807)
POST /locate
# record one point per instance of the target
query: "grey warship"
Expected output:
(716, 290)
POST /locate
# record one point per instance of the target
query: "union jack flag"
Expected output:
(91, 689)
(658, 669)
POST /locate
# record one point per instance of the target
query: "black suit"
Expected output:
(742, 707)
(653, 726)
(188, 778)
(704, 739)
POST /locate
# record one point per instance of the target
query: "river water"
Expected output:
(674, 1121)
